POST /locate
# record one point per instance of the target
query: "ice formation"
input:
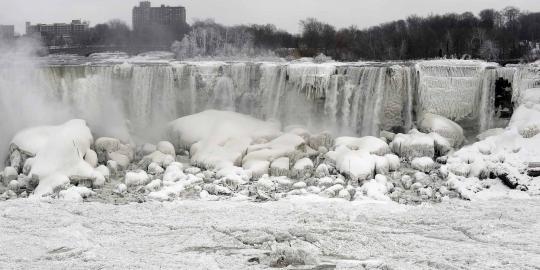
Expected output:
(509, 154)
(58, 154)
(224, 122)
(442, 126)
(451, 88)
(218, 139)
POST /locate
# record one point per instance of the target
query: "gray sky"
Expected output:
(283, 13)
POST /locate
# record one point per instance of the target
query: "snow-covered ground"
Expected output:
(323, 233)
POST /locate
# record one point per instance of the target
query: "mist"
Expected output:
(27, 99)
(22, 101)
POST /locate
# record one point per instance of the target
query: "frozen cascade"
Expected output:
(345, 98)
(223, 96)
(450, 88)
(525, 77)
(487, 100)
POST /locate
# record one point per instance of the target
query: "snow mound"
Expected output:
(136, 178)
(442, 126)
(358, 165)
(424, 164)
(259, 156)
(75, 194)
(218, 139)
(414, 144)
(509, 155)
(59, 154)
(370, 144)
(526, 120)
(376, 188)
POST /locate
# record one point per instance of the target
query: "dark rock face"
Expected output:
(503, 99)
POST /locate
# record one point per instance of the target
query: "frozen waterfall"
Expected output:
(345, 98)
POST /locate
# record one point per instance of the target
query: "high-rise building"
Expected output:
(145, 16)
(7, 31)
(58, 33)
(57, 29)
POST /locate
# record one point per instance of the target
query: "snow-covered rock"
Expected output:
(9, 174)
(393, 162)
(148, 148)
(217, 139)
(424, 164)
(120, 188)
(104, 146)
(442, 126)
(322, 170)
(104, 170)
(157, 157)
(259, 156)
(376, 188)
(136, 178)
(358, 165)
(59, 153)
(174, 173)
(370, 144)
(381, 165)
(14, 186)
(91, 157)
(302, 167)
(75, 194)
(280, 167)
(414, 144)
(166, 148)
(155, 169)
(154, 185)
(120, 160)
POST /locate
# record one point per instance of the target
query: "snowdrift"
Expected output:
(218, 139)
(59, 153)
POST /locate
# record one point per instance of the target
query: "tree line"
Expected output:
(491, 35)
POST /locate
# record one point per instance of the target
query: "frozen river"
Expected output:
(329, 234)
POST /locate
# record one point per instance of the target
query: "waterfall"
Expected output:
(344, 98)
(487, 100)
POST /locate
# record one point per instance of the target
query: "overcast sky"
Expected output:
(283, 13)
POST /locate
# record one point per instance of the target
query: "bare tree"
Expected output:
(489, 51)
